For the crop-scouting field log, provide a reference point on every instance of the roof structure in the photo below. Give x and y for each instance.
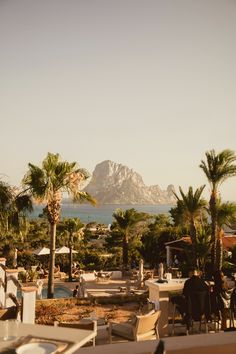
(229, 242)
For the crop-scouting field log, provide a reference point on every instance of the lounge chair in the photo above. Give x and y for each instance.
(141, 327)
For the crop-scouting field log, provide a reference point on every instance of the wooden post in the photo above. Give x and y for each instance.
(28, 304)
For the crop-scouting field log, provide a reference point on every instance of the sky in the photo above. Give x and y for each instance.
(149, 84)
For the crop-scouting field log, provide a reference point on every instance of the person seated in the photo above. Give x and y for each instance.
(221, 297)
(76, 291)
(40, 272)
(57, 269)
(194, 284)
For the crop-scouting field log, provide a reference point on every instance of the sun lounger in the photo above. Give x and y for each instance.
(89, 276)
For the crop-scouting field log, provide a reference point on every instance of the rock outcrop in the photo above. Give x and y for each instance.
(114, 183)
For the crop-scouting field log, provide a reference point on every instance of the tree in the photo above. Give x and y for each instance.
(125, 223)
(14, 205)
(226, 215)
(203, 246)
(217, 168)
(47, 184)
(160, 232)
(5, 203)
(73, 228)
(192, 207)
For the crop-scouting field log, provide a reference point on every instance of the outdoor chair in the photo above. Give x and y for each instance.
(194, 308)
(197, 310)
(83, 324)
(178, 302)
(223, 306)
(233, 308)
(139, 328)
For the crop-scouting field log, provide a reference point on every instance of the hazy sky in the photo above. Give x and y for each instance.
(150, 84)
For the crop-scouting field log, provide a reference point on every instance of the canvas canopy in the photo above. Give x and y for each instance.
(41, 251)
(64, 249)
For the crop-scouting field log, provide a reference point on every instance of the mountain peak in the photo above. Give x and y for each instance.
(114, 183)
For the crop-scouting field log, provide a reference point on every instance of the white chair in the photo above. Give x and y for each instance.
(140, 328)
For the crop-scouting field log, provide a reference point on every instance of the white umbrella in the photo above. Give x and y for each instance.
(64, 249)
(41, 251)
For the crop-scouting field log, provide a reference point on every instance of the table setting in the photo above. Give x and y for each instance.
(22, 338)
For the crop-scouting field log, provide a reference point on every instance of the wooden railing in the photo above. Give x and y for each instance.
(9, 285)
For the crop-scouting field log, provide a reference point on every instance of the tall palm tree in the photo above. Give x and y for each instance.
(72, 227)
(5, 204)
(217, 168)
(226, 215)
(125, 221)
(47, 184)
(192, 207)
(14, 205)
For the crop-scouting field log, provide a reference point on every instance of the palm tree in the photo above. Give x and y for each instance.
(14, 206)
(5, 203)
(125, 221)
(46, 184)
(217, 168)
(203, 248)
(226, 215)
(73, 227)
(192, 208)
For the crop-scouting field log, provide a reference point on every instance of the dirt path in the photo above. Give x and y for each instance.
(66, 310)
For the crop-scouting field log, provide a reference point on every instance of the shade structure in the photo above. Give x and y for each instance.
(64, 249)
(41, 251)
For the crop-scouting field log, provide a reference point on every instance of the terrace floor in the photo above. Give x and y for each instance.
(113, 287)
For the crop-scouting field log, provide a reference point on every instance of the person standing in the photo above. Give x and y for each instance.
(76, 291)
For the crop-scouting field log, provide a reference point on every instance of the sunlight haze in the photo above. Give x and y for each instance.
(146, 83)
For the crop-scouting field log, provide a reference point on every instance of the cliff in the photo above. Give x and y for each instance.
(114, 183)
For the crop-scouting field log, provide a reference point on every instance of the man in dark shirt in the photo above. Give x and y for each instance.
(196, 295)
(194, 283)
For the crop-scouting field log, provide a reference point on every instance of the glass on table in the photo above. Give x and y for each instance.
(3, 330)
(12, 329)
(179, 274)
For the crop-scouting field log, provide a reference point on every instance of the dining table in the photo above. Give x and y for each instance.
(60, 339)
(159, 294)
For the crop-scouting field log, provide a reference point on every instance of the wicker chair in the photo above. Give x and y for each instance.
(140, 328)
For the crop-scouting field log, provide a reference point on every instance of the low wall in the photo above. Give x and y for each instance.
(214, 343)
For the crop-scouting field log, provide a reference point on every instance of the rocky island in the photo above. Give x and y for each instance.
(114, 183)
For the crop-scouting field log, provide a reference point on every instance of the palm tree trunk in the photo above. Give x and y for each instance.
(70, 259)
(219, 251)
(125, 253)
(53, 227)
(213, 212)
(193, 235)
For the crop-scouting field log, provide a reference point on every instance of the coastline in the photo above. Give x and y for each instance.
(102, 213)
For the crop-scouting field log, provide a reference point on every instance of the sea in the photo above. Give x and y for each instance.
(101, 214)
